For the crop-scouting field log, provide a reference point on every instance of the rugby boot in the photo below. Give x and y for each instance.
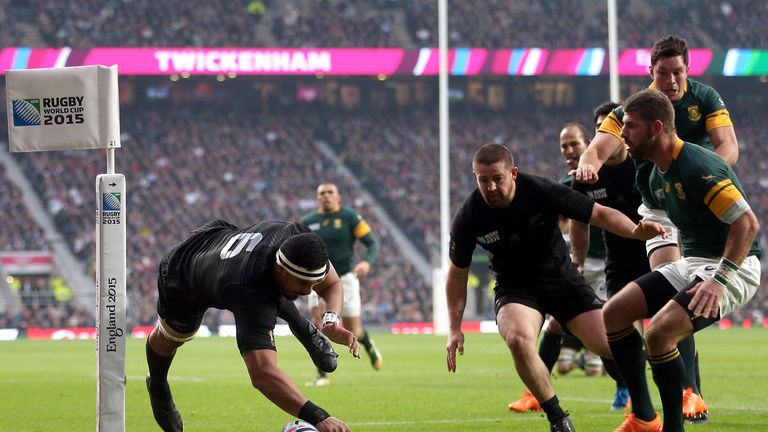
(376, 359)
(526, 403)
(563, 424)
(634, 424)
(621, 399)
(694, 409)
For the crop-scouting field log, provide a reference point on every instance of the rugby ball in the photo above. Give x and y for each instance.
(298, 426)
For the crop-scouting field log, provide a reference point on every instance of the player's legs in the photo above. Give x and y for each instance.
(177, 324)
(549, 351)
(551, 343)
(160, 350)
(519, 327)
(351, 318)
(667, 327)
(569, 350)
(626, 343)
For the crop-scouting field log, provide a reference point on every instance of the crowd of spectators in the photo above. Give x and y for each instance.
(334, 24)
(717, 24)
(19, 231)
(38, 303)
(253, 170)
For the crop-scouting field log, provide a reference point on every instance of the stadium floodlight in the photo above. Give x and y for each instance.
(77, 108)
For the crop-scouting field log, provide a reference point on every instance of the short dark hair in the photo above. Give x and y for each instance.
(603, 110)
(492, 153)
(584, 132)
(669, 46)
(652, 105)
(307, 250)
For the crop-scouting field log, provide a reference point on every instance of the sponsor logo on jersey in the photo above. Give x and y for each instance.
(597, 194)
(679, 191)
(491, 237)
(337, 223)
(694, 113)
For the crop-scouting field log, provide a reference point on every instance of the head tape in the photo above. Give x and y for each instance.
(311, 275)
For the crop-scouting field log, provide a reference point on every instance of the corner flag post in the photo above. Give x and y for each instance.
(78, 108)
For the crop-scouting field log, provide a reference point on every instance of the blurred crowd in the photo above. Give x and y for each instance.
(254, 170)
(193, 163)
(718, 24)
(186, 164)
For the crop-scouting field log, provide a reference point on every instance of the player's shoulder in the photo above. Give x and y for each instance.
(695, 159)
(538, 182)
(310, 217)
(703, 92)
(472, 205)
(349, 213)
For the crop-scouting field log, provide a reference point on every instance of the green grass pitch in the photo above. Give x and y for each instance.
(50, 386)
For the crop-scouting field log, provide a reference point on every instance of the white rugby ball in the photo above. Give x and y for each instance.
(298, 426)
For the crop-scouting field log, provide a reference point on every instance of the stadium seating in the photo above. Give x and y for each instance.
(377, 23)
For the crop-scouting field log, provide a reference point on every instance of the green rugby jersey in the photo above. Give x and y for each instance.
(702, 197)
(700, 110)
(339, 230)
(596, 247)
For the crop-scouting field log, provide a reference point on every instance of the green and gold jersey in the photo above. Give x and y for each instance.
(339, 230)
(596, 247)
(702, 197)
(700, 110)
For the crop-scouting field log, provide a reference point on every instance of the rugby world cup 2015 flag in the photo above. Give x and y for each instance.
(63, 108)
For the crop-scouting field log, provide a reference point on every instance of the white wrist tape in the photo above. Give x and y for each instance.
(726, 270)
(330, 318)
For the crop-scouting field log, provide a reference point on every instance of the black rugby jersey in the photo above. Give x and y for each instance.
(524, 239)
(616, 188)
(219, 260)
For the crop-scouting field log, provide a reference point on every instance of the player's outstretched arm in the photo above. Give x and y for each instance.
(273, 383)
(603, 147)
(331, 291)
(456, 294)
(619, 224)
(341, 336)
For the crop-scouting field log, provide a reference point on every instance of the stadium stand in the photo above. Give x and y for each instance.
(376, 23)
(258, 176)
(250, 162)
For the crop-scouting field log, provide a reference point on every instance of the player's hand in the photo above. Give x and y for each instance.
(706, 298)
(455, 343)
(647, 230)
(342, 336)
(332, 424)
(584, 174)
(362, 269)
